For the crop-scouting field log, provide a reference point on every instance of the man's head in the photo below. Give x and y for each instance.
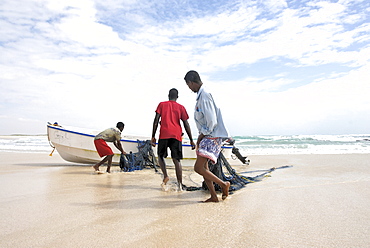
(173, 94)
(193, 80)
(120, 126)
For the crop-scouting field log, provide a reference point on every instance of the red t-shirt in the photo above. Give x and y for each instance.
(171, 113)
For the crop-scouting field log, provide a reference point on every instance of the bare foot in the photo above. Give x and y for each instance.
(225, 190)
(96, 167)
(165, 180)
(212, 200)
(180, 187)
(164, 187)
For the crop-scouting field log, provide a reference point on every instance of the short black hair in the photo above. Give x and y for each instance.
(120, 124)
(192, 76)
(173, 94)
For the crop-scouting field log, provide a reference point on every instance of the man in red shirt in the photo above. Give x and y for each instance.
(170, 134)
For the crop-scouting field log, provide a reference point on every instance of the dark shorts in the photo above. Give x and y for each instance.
(174, 145)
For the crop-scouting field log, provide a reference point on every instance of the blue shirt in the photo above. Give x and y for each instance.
(208, 116)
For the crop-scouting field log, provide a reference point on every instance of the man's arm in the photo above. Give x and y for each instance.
(155, 126)
(200, 137)
(188, 131)
(210, 116)
(118, 144)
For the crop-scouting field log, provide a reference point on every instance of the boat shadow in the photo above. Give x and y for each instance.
(54, 165)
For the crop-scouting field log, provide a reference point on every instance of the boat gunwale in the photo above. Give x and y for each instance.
(125, 140)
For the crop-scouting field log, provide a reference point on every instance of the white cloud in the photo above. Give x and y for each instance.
(297, 110)
(61, 63)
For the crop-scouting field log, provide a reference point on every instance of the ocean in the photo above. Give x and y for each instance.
(248, 145)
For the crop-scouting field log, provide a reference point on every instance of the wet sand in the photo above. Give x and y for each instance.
(322, 201)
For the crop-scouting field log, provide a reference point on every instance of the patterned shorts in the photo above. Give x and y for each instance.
(210, 148)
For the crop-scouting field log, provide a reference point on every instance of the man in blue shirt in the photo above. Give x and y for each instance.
(212, 132)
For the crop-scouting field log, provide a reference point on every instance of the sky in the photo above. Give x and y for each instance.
(274, 67)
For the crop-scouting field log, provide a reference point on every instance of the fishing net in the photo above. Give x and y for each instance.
(139, 160)
(223, 170)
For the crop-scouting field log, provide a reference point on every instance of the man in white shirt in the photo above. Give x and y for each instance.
(212, 132)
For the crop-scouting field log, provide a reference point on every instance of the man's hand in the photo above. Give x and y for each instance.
(153, 141)
(192, 145)
(200, 137)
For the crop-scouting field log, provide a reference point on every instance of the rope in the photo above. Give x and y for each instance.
(51, 154)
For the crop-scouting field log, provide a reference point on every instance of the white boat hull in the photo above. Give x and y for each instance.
(78, 146)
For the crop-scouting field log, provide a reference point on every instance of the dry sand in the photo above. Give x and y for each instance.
(322, 201)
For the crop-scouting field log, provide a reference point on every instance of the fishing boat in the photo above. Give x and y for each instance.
(77, 145)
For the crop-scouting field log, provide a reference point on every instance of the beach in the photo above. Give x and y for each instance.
(319, 201)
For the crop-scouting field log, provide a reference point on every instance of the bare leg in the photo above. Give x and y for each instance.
(110, 157)
(96, 166)
(178, 168)
(162, 164)
(201, 167)
(212, 190)
(211, 187)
